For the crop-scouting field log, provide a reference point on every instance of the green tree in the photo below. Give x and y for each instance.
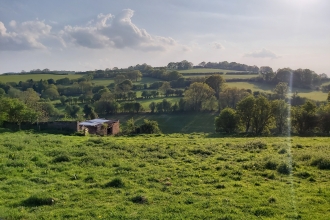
(197, 94)
(245, 111)
(152, 107)
(216, 82)
(262, 114)
(281, 90)
(166, 86)
(149, 127)
(227, 121)
(304, 118)
(72, 110)
(324, 118)
(280, 111)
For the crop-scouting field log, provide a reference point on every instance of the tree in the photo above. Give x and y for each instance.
(245, 111)
(152, 107)
(119, 78)
(280, 111)
(138, 107)
(262, 114)
(72, 110)
(304, 118)
(149, 127)
(2, 92)
(230, 96)
(29, 97)
(216, 82)
(227, 121)
(89, 112)
(130, 127)
(324, 118)
(281, 90)
(197, 94)
(51, 93)
(165, 87)
(328, 99)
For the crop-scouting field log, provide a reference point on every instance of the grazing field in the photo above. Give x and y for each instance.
(307, 93)
(224, 76)
(35, 77)
(106, 82)
(176, 176)
(206, 70)
(174, 122)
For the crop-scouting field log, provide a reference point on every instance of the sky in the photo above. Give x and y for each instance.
(81, 35)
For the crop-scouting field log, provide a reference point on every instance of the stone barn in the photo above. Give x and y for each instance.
(100, 126)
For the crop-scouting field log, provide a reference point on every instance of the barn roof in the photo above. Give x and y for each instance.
(94, 122)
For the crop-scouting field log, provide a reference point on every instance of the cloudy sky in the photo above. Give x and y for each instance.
(98, 34)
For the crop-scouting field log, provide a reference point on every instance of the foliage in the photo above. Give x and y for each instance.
(196, 95)
(227, 121)
(149, 127)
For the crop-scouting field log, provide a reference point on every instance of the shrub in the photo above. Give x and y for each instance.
(61, 158)
(267, 212)
(322, 162)
(116, 183)
(38, 201)
(271, 199)
(271, 165)
(139, 199)
(282, 151)
(303, 175)
(284, 168)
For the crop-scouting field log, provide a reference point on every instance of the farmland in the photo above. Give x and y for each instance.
(177, 176)
(35, 77)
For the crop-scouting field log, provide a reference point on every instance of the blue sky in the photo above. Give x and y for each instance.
(98, 34)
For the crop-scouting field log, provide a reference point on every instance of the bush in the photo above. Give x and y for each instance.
(139, 199)
(38, 201)
(284, 168)
(323, 163)
(61, 158)
(116, 183)
(271, 165)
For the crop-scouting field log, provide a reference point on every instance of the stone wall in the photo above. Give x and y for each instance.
(69, 126)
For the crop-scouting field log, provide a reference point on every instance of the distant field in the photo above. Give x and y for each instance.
(35, 77)
(146, 102)
(106, 82)
(175, 123)
(205, 71)
(310, 94)
(224, 76)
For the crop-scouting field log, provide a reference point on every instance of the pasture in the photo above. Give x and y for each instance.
(206, 70)
(177, 176)
(35, 77)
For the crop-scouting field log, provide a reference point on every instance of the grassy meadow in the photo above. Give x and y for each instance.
(177, 176)
(35, 77)
(205, 70)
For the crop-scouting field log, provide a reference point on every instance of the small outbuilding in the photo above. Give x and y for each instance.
(100, 126)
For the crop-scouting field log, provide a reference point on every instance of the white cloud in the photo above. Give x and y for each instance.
(263, 53)
(24, 36)
(116, 31)
(218, 46)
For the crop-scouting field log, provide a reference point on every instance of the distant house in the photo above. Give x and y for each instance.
(100, 126)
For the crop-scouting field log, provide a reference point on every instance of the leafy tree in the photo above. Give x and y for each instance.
(281, 90)
(138, 107)
(149, 127)
(2, 92)
(230, 96)
(216, 82)
(227, 121)
(304, 118)
(262, 114)
(124, 86)
(165, 87)
(29, 97)
(72, 110)
(51, 93)
(324, 118)
(245, 111)
(280, 111)
(89, 112)
(130, 127)
(152, 107)
(167, 105)
(197, 94)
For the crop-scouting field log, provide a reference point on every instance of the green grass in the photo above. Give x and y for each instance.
(307, 93)
(146, 102)
(224, 76)
(35, 77)
(206, 70)
(193, 176)
(106, 82)
(175, 123)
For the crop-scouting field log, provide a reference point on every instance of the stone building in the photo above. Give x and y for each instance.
(100, 126)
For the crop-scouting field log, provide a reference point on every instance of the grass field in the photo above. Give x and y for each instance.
(224, 76)
(310, 94)
(175, 123)
(35, 77)
(176, 176)
(106, 82)
(206, 70)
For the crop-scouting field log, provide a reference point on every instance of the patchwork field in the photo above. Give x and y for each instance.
(35, 77)
(176, 176)
(206, 70)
